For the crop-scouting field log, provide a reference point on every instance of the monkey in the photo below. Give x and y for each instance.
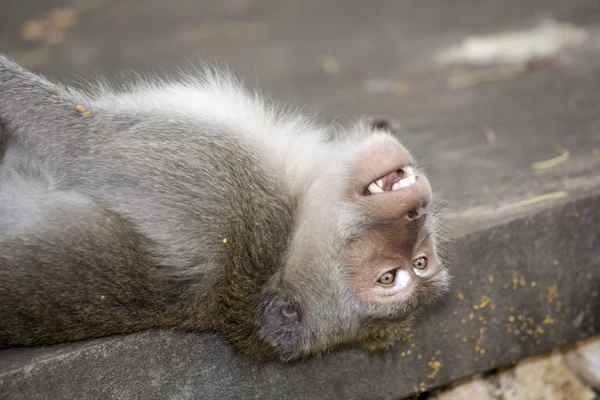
(196, 204)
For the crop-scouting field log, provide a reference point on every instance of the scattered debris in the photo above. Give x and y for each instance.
(225, 240)
(534, 200)
(52, 29)
(551, 293)
(391, 86)
(490, 135)
(544, 41)
(562, 158)
(485, 75)
(435, 366)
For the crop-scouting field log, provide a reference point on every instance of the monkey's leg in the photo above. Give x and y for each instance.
(70, 269)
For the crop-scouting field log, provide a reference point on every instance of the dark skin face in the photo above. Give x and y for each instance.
(396, 251)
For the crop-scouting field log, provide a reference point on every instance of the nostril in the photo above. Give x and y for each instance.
(412, 214)
(417, 212)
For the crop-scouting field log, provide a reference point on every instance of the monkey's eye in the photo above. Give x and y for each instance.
(420, 263)
(387, 278)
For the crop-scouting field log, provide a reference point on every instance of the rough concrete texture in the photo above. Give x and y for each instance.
(526, 278)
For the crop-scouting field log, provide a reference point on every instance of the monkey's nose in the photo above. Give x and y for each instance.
(417, 212)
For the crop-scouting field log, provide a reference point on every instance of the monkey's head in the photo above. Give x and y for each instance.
(362, 258)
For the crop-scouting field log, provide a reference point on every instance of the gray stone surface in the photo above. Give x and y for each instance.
(281, 46)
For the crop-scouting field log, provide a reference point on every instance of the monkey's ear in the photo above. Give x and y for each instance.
(384, 124)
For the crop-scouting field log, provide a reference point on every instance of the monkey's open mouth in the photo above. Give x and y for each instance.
(398, 179)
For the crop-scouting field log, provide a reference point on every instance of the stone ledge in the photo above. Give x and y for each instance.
(540, 269)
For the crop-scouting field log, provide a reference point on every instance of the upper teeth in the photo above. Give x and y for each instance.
(409, 179)
(375, 187)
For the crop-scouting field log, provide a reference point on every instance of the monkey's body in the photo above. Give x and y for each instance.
(171, 206)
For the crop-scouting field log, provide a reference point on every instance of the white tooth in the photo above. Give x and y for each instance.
(380, 183)
(406, 182)
(396, 186)
(408, 171)
(373, 188)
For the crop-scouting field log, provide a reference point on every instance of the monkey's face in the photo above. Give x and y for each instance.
(364, 257)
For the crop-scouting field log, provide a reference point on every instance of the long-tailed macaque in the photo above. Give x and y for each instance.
(195, 204)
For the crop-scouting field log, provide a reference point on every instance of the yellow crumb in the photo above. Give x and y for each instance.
(403, 354)
(562, 158)
(82, 110)
(522, 281)
(464, 340)
(577, 215)
(460, 296)
(435, 366)
(420, 356)
(548, 320)
(408, 352)
(511, 318)
(596, 152)
(476, 307)
(412, 345)
(464, 321)
(102, 297)
(534, 200)
(551, 293)
(484, 301)
(491, 278)
(482, 351)
(137, 347)
(511, 309)
(533, 284)
(492, 307)
(225, 240)
(471, 316)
